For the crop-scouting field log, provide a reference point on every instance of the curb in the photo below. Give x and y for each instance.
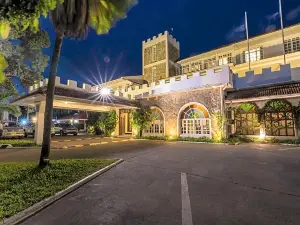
(32, 210)
(80, 145)
(189, 142)
(2, 146)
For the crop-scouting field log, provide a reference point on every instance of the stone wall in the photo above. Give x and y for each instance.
(173, 52)
(160, 72)
(160, 53)
(172, 70)
(171, 104)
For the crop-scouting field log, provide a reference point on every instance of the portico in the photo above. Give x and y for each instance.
(74, 98)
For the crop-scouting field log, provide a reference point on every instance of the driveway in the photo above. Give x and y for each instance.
(175, 183)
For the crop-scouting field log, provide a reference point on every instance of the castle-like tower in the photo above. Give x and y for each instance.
(159, 57)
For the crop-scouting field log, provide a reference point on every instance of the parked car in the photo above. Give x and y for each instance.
(65, 129)
(30, 130)
(12, 130)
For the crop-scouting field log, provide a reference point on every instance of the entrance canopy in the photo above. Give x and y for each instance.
(76, 99)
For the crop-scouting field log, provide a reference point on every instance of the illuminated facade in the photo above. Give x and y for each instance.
(189, 96)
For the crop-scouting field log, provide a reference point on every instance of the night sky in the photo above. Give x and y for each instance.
(198, 26)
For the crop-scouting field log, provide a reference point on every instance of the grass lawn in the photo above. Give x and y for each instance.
(24, 184)
(18, 143)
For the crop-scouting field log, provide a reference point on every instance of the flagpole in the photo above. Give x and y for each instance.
(282, 31)
(247, 34)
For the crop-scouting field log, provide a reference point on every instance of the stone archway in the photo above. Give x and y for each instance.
(194, 121)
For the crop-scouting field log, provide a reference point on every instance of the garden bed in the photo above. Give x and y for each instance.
(23, 184)
(18, 143)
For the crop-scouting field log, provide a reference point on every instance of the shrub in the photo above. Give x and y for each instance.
(18, 143)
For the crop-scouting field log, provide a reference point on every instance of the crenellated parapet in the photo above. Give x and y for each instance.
(210, 77)
(266, 76)
(70, 84)
(161, 37)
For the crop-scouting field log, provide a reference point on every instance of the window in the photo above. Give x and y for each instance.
(153, 74)
(278, 118)
(255, 55)
(186, 68)
(246, 119)
(225, 59)
(195, 122)
(154, 53)
(157, 124)
(292, 45)
(209, 63)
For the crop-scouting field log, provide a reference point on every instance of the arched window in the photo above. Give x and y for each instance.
(278, 118)
(194, 121)
(156, 128)
(246, 119)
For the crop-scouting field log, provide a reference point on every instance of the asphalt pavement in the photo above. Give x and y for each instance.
(184, 184)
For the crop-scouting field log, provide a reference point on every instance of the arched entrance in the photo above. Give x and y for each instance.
(157, 126)
(194, 121)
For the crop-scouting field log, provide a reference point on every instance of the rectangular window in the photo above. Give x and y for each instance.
(225, 59)
(186, 69)
(154, 53)
(292, 45)
(153, 74)
(255, 55)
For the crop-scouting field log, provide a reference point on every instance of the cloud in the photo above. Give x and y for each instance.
(272, 17)
(293, 14)
(270, 28)
(236, 33)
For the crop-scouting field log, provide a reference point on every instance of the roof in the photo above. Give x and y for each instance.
(80, 94)
(262, 91)
(233, 43)
(77, 116)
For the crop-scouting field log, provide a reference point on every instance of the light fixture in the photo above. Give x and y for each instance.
(75, 121)
(105, 91)
(24, 122)
(262, 134)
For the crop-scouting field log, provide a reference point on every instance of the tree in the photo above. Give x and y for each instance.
(141, 119)
(103, 121)
(24, 56)
(72, 19)
(5, 106)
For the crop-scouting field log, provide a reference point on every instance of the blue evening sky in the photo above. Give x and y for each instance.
(198, 26)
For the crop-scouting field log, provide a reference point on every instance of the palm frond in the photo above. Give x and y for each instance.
(104, 14)
(11, 109)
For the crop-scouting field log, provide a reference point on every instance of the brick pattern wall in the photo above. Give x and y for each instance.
(173, 53)
(171, 103)
(160, 53)
(160, 72)
(172, 70)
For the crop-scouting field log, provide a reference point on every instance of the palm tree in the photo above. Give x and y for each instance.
(5, 106)
(73, 19)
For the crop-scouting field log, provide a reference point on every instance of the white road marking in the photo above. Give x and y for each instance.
(186, 204)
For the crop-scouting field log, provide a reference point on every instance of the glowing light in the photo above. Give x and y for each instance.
(105, 91)
(34, 119)
(24, 122)
(262, 134)
(76, 121)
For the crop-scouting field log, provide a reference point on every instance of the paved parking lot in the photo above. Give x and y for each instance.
(175, 183)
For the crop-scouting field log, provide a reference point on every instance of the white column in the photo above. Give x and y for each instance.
(117, 129)
(39, 125)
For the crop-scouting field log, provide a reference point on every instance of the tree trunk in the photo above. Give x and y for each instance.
(141, 132)
(44, 158)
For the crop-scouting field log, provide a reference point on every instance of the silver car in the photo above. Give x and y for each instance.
(65, 129)
(30, 130)
(13, 131)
